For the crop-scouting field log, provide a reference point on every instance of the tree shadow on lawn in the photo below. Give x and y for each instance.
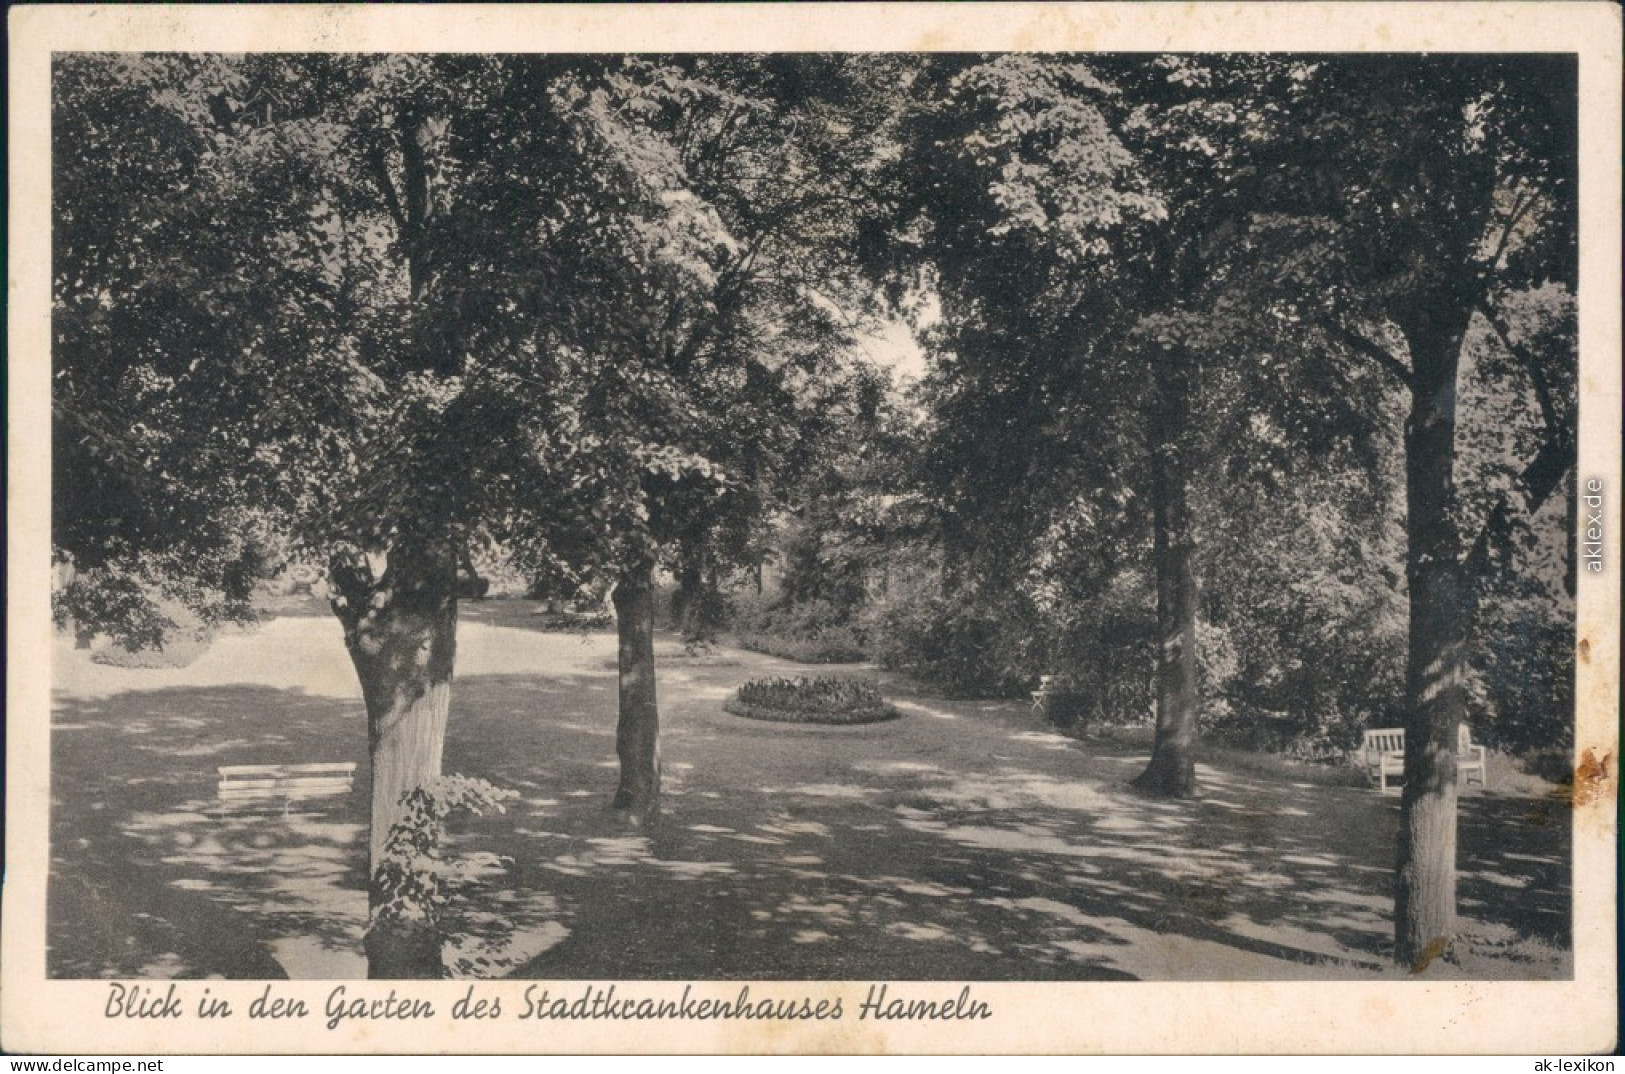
(953, 877)
(1515, 867)
(152, 875)
(957, 843)
(970, 846)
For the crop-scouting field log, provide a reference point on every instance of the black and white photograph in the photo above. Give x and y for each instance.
(788, 533)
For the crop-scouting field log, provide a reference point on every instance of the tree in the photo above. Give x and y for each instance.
(1453, 185)
(135, 458)
(1280, 237)
(1122, 193)
(721, 242)
(299, 295)
(373, 311)
(1014, 186)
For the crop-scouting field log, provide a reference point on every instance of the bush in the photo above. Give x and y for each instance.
(181, 638)
(811, 632)
(804, 700)
(413, 884)
(1067, 707)
(968, 647)
(833, 647)
(1554, 765)
(1521, 691)
(566, 621)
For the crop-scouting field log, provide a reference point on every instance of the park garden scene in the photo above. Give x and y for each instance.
(960, 517)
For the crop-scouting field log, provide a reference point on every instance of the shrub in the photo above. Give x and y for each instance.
(811, 632)
(180, 638)
(804, 700)
(1521, 691)
(414, 884)
(567, 621)
(832, 647)
(967, 646)
(1067, 707)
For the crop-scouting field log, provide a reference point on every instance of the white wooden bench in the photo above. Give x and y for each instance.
(240, 782)
(1383, 754)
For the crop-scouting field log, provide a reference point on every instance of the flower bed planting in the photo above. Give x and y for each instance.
(818, 700)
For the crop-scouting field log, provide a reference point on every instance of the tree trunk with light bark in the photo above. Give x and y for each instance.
(401, 633)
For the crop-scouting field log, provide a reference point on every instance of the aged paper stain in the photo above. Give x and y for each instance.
(1592, 777)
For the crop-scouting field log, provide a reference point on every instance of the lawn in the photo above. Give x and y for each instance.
(963, 841)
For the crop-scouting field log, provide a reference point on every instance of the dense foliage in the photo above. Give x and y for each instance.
(1248, 407)
(1035, 559)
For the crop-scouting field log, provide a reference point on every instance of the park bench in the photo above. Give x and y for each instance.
(256, 782)
(1383, 754)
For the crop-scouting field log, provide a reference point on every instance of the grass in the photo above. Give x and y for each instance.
(177, 651)
(968, 842)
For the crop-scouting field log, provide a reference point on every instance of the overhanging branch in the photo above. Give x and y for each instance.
(386, 185)
(1520, 207)
(1361, 345)
(1535, 485)
(1544, 474)
(1530, 361)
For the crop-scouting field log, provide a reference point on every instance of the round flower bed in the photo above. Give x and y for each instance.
(804, 700)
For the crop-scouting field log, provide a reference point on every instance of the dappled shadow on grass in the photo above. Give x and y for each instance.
(1011, 875)
(962, 841)
(151, 875)
(1004, 876)
(1515, 866)
(977, 847)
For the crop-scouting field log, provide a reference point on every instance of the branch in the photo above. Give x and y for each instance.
(851, 322)
(352, 581)
(1544, 472)
(1531, 363)
(1518, 210)
(380, 171)
(726, 297)
(668, 333)
(1484, 279)
(1362, 345)
(1536, 484)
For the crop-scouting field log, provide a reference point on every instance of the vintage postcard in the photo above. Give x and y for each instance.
(914, 528)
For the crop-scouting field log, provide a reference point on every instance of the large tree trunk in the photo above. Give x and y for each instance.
(637, 731)
(401, 633)
(1440, 619)
(1172, 771)
(401, 628)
